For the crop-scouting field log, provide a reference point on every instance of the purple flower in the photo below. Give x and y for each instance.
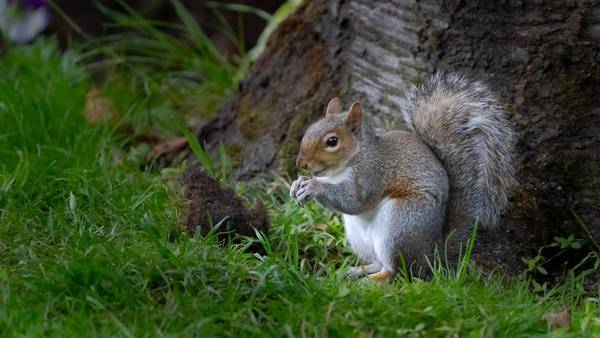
(33, 3)
(21, 21)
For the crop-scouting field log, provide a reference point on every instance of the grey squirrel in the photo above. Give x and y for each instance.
(401, 191)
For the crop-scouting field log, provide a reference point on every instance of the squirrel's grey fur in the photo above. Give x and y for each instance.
(398, 189)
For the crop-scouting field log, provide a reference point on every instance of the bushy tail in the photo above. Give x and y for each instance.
(468, 130)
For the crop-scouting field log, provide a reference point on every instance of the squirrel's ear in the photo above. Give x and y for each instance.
(354, 116)
(334, 106)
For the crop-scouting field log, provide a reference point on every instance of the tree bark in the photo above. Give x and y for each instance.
(543, 57)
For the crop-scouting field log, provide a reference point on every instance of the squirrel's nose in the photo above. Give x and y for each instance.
(300, 162)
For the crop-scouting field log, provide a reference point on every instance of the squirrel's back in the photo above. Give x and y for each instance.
(468, 130)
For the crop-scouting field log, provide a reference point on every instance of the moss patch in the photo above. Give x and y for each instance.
(253, 123)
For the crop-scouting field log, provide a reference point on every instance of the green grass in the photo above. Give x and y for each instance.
(90, 246)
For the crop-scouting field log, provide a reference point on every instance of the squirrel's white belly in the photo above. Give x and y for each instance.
(364, 230)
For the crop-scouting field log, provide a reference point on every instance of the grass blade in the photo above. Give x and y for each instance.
(201, 154)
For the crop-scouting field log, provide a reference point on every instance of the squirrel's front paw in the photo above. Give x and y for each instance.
(296, 186)
(309, 188)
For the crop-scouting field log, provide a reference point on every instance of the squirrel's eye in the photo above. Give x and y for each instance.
(332, 142)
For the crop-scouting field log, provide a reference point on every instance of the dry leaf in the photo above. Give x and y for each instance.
(168, 147)
(558, 319)
(321, 226)
(99, 108)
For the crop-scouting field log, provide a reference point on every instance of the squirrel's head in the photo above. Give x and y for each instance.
(329, 142)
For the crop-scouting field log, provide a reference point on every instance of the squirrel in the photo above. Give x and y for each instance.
(401, 191)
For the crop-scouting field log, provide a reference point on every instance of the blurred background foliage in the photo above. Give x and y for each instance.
(183, 58)
(159, 59)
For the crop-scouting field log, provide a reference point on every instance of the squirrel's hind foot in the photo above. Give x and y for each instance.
(355, 272)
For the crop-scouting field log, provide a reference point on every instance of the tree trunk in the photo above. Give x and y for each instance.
(543, 57)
